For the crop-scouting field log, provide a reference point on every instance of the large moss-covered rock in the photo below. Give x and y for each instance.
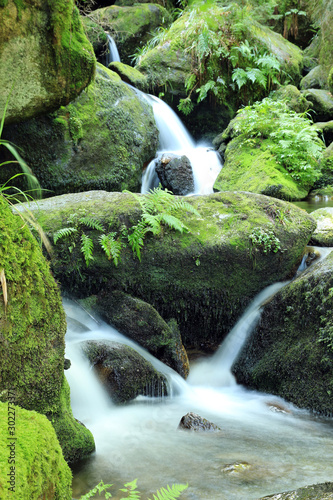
(123, 371)
(130, 26)
(323, 235)
(102, 140)
(290, 352)
(255, 169)
(321, 103)
(32, 327)
(45, 58)
(140, 322)
(31, 461)
(205, 278)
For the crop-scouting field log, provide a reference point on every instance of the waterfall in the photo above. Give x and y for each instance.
(175, 138)
(113, 54)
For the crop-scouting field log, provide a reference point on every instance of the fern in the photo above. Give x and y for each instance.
(87, 248)
(64, 232)
(91, 223)
(170, 493)
(174, 223)
(130, 488)
(111, 247)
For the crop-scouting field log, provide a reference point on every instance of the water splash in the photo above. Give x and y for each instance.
(113, 54)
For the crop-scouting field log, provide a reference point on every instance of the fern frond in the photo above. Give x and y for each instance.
(64, 232)
(173, 222)
(170, 493)
(184, 205)
(87, 248)
(135, 239)
(152, 222)
(130, 488)
(111, 247)
(91, 223)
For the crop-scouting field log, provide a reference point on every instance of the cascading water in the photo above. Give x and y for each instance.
(112, 55)
(174, 138)
(278, 450)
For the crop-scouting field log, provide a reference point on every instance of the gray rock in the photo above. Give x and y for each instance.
(175, 173)
(194, 422)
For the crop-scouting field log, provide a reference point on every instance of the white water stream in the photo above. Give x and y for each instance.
(174, 138)
(112, 55)
(283, 450)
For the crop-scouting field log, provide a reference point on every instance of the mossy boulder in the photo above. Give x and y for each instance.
(140, 322)
(315, 79)
(321, 103)
(32, 325)
(31, 461)
(131, 26)
(102, 140)
(252, 167)
(293, 98)
(290, 352)
(323, 235)
(128, 74)
(322, 491)
(45, 58)
(204, 278)
(123, 371)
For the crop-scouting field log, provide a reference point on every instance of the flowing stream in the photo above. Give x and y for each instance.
(265, 444)
(112, 55)
(175, 138)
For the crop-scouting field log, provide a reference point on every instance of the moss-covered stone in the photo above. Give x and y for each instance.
(293, 97)
(45, 60)
(323, 235)
(204, 279)
(31, 461)
(129, 75)
(131, 26)
(290, 352)
(102, 140)
(123, 371)
(315, 79)
(253, 168)
(140, 322)
(32, 323)
(321, 103)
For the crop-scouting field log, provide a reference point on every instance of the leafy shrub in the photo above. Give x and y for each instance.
(292, 139)
(265, 240)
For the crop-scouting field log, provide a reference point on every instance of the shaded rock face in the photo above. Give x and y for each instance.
(141, 322)
(175, 173)
(124, 373)
(290, 352)
(100, 141)
(45, 57)
(194, 422)
(321, 103)
(204, 278)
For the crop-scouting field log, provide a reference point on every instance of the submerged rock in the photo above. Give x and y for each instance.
(290, 351)
(323, 491)
(194, 422)
(140, 322)
(323, 235)
(124, 373)
(175, 173)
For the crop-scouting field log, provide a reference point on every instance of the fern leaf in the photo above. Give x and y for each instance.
(170, 493)
(173, 222)
(87, 248)
(152, 222)
(136, 238)
(184, 205)
(91, 223)
(64, 232)
(111, 247)
(239, 76)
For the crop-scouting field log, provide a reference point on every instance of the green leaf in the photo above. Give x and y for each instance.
(64, 232)
(111, 246)
(87, 248)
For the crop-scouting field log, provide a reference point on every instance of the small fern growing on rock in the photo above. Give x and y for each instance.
(168, 493)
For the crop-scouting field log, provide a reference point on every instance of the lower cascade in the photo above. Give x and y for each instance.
(263, 444)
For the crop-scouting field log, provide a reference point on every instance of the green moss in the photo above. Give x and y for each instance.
(129, 74)
(175, 274)
(3, 3)
(253, 168)
(39, 468)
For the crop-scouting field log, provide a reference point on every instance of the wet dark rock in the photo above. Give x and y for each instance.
(124, 373)
(323, 491)
(194, 422)
(140, 322)
(175, 173)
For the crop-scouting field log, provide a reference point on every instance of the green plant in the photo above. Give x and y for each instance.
(292, 140)
(75, 234)
(168, 493)
(265, 240)
(157, 36)
(159, 208)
